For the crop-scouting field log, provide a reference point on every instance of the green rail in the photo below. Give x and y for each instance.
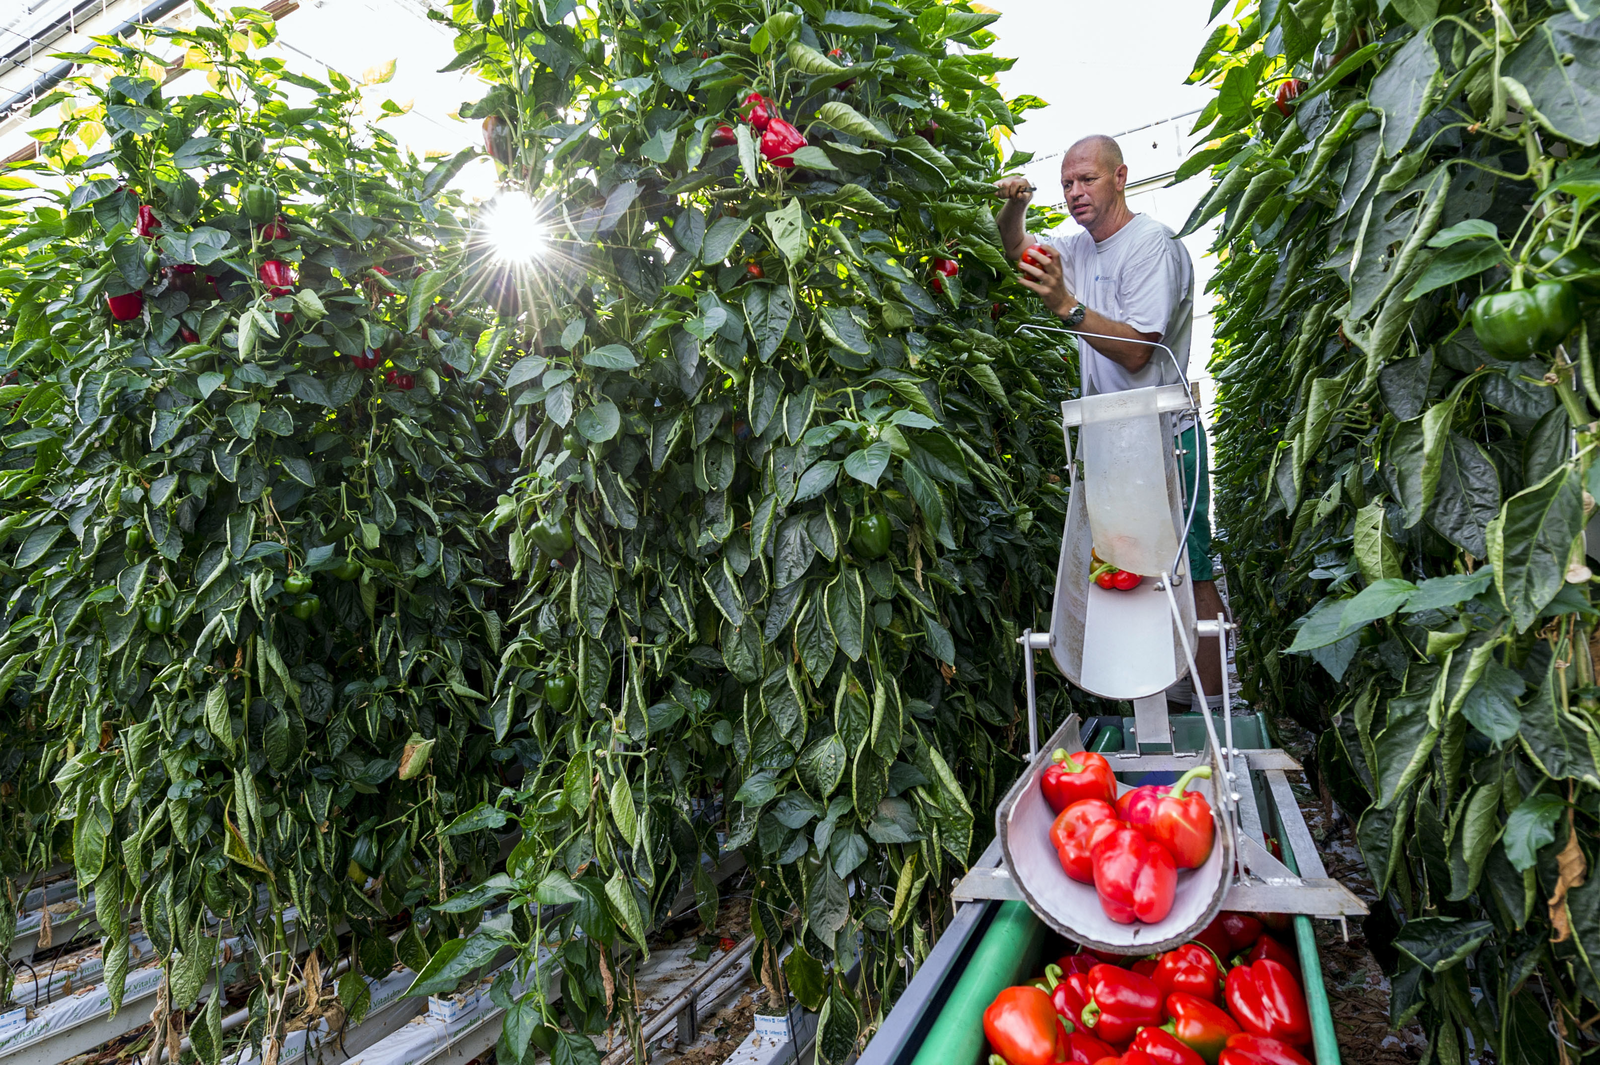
(1008, 954)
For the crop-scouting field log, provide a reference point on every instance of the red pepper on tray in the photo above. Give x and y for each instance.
(1120, 1003)
(1199, 1025)
(1076, 776)
(1021, 1026)
(1265, 998)
(1190, 968)
(1134, 877)
(1246, 1049)
(1179, 821)
(1076, 831)
(1165, 1048)
(1267, 947)
(1229, 933)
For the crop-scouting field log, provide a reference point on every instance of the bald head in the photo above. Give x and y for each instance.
(1093, 177)
(1100, 147)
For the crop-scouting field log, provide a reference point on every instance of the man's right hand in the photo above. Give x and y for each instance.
(1017, 190)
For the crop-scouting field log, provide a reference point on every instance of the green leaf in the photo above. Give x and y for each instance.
(421, 297)
(454, 959)
(1562, 94)
(1457, 262)
(1438, 943)
(808, 982)
(846, 119)
(847, 612)
(1531, 826)
(1376, 553)
(821, 766)
(721, 238)
(1491, 705)
(788, 227)
(610, 357)
(600, 422)
(867, 464)
(1530, 541)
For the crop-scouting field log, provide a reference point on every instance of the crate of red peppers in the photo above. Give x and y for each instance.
(1232, 996)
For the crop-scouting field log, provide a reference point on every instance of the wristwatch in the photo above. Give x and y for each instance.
(1074, 318)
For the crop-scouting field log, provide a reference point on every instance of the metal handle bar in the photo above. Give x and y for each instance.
(1194, 408)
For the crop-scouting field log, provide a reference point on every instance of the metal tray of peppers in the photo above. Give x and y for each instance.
(1002, 988)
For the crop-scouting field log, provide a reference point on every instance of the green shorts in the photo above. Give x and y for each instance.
(1195, 455)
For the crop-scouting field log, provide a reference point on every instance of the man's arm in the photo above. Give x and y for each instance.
(1048, 282)
(1013, 217)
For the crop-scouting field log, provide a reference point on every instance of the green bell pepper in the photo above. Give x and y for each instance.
(871, 535)
(133, 539)
(553, 538)
(295, 583)
(1522, 322)
(259, 203)
(158, 619)
(559, 690)
(1577, 266)
(306, 607)
(347, 570)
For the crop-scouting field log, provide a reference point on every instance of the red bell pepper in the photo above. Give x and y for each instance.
(1072, 777)
(1021, 1026)
(1084, 1049)
(277, 275)
(1131, 1057)
(1199, 1024)
(1080, 962)
(779, 142)
(1144, 967)
(274, 230)
(1133, 876)
(723, 137)
(1179, 821)
(1125, 581)
(1267, 947)
(1229, 933)
(1069, 992)
(1246, 1049)
(1191, 968)
(758, 114)
(126, 307)
(1265, 998)
(148, 222)
(1076, 831)
(1165, 1048)
(1120, 1003)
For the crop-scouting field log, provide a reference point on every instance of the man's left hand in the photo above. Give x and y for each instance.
(1046, 280)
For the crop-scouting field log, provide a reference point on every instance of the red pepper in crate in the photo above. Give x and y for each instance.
(1265, 998)
(1246, 1049)
(1190, 968)
(1267, 947)
(1130, 1057)
(1164, 1048)
(1199, 1024)
(1084, 1049)
(1076, 831)
(1080, 962)
(1081, 775)
(1134, 877)
(1021, 1025)
(1120, 1003)
(1180, 821)
(1230, 933)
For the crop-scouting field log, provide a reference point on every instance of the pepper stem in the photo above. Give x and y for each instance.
(1203, 772)
(1091, 1014)
(1066, 761)
(1516, 276)
(1066, 1024)
(1052, 975)
(996, 1059)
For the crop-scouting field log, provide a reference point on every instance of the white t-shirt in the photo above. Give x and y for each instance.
(1140, 275)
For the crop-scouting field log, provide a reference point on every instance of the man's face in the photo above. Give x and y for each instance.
(1090, 186)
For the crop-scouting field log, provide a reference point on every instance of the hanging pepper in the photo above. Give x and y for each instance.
(1072, 777)
(723, 137)
(274, 230)
(780, 142)
(1246, 1049)
(1199, 1024)
(259, 203)
(1179, 821)
(1229, 933)
(871, 535)
(1120, 1003)
(757, 114)
(552, 537)
(1164, 1048)
(1267, 947)
(1578, 266)
(1133, 876)
(1022, 1027)
(1265, 998)
(559, 690)
(277, 275)
(1525, 321)
(148, 222)
(126, 307)
(158, 619)
(498, 139)
(1190, 968)
(1075, 832)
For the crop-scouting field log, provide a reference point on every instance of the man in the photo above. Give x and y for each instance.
(1125, 275)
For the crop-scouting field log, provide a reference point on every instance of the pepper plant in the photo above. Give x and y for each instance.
(1406, 436)
(253, 620)
(787, 498)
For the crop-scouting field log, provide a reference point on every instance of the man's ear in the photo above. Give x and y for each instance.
(1122, 177)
